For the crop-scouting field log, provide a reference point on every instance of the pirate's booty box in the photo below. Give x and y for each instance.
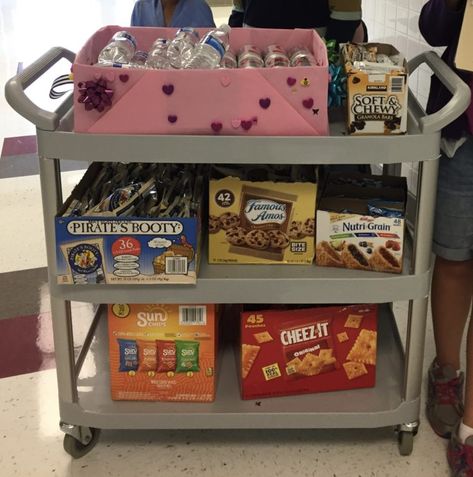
(135, 232)
(360, 223)
(261, 222)
(307, 350)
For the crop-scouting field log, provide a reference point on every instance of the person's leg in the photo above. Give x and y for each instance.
(451, 299)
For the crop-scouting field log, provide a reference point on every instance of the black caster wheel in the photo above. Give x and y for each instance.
(405, 442)
(76, 449)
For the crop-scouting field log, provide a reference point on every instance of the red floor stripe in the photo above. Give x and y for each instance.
(27, 344)
(16, 146)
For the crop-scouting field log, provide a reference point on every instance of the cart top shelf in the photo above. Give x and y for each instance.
(337, 148)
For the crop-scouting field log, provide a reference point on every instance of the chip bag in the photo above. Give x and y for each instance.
(187, 356)
(166, 356)
(128, 355)
(147, 354)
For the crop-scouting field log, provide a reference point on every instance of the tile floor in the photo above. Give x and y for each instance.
(30, 440)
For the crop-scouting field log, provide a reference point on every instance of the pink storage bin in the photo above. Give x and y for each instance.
(257, 102)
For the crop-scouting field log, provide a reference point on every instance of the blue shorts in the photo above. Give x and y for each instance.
(453, 232)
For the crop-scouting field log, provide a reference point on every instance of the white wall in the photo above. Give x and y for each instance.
(396, 22)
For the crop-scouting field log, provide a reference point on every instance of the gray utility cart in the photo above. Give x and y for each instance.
(85, 402)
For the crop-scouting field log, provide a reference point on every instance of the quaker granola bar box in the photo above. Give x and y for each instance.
(261, 222)
(307, 350)
(360, 223)
(377, 86)
(162, 352)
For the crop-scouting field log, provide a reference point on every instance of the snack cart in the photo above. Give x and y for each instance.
(85, 402)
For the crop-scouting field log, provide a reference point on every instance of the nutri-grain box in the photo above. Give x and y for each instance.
(361, 222)
(162, 352)
(376, 99)
(261, 222)
(307, 350)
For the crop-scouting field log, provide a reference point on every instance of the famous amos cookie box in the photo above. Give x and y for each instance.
(163, 352)
(261, 222)
(307, 350)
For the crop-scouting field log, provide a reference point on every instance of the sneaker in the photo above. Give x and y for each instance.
(460, 456)
(445, 399)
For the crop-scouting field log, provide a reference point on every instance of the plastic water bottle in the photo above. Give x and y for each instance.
(139, 59)
(157, 57)
(120, 49)
(209, 52)
(181, 47)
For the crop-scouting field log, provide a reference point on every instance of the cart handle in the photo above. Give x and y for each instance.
(460, 90)
(15, 89)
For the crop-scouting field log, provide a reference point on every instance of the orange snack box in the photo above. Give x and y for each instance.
(162, 352)
(309, 350)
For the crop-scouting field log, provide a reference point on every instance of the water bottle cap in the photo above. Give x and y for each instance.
(124, 35)
(189, 30)
(226, 28)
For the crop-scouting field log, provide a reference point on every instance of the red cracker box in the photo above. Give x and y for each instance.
(308, 350)
(162, 352)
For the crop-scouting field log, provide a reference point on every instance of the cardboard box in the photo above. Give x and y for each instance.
(307, 350)
(125, 250)
(261, 222)
(255, 102)
(162, 352)
(377, 102)
(350, 231)
(464, 58)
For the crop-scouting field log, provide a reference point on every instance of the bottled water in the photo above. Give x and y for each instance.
(120, 49)
(209, 52)
(139, 59)
(181, 47)
(157, 57)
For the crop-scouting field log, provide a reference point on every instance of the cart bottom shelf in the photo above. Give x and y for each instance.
(362, 408)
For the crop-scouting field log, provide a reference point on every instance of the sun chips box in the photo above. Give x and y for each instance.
(162, 352)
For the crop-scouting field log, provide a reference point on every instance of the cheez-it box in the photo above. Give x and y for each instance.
(308, 350)
(162, 352)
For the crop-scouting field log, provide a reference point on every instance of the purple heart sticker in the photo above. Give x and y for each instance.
(168, 89)
(291, 81)
(216, 126)
(265, 103)
(124, 78)
(308, 103)
(246, 125)
(172, 118)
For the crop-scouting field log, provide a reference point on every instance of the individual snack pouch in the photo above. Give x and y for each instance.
(147, 355)
(187, 356)
(128, 355)
(166, 356)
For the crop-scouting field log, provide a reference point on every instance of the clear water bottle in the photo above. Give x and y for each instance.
(139, 59)
(157, 57)
(120, 49)
(181, 47)
(209, 52)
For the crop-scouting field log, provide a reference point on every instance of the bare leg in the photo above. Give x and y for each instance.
(451, 299)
